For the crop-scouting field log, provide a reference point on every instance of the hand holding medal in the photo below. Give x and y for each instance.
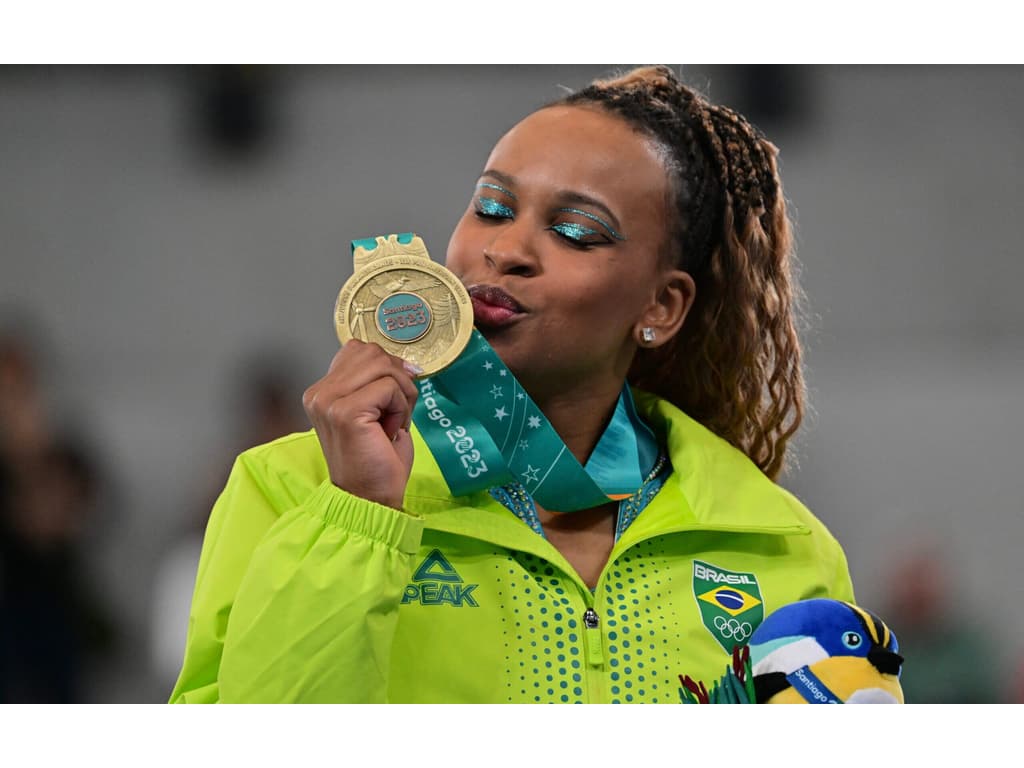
(399, 316)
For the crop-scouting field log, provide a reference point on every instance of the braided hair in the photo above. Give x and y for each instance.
(735, 366)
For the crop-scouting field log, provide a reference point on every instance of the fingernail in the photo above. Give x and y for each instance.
(412, 368)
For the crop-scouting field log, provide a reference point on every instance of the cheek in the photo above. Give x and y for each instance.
(617, 289)
(460, 245)
(605, 299)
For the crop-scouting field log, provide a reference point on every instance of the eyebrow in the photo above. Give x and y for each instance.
(488, 185)
(499, 176)
(578, 197)
(598, 219)
(567, 196)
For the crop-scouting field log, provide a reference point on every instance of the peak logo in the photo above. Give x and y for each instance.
(436, 582)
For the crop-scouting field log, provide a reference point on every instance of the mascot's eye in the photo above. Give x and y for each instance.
(852, 640)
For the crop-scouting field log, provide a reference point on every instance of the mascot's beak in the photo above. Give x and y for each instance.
(886, 662)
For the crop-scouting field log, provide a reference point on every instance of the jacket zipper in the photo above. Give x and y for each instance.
(593, 654)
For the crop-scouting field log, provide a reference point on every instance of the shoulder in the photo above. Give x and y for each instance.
(722, 486)
(721, 489)
(287, 469)
(295, 449)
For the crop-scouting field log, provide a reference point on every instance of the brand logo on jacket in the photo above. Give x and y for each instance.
(730, 602)
(436, 582)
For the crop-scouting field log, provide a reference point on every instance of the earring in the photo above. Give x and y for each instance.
(647, 334)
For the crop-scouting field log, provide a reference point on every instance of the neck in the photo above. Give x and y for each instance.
(580, 415)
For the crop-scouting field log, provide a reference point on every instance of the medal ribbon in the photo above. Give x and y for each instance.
(484, 430)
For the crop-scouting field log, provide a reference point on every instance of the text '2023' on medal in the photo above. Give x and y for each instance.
(398, 298)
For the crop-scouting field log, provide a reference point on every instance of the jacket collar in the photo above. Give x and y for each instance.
(713, 487)
(719, 486)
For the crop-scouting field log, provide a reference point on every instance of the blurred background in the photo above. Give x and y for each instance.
(174, 238)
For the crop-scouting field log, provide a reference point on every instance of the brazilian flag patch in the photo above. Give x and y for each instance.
(730, 603)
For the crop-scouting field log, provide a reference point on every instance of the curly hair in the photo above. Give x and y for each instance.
(735, 366)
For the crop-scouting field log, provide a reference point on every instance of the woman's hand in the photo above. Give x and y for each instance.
(361, 411)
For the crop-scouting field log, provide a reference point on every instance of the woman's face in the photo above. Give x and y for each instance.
(560, 246)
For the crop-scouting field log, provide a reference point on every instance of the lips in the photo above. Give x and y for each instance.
(493, 307)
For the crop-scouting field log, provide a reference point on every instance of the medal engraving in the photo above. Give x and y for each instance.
(399, 299)
(404, 317)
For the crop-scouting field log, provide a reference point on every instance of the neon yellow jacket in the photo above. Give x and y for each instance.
(307, 593)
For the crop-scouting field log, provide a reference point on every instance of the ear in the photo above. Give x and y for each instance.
(664, 316)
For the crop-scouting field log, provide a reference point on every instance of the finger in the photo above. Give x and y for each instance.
(357, 347)
(394, 409)
(354, 368)
(358, 368)
(363, 396)
(404, 373)
(351, 349)
(382, 403)
(354, 349)
(404, 446)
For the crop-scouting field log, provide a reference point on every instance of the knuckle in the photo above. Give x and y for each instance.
(337, 412)
(309, 398)
(409, 388)
(377, 351)
(339, 357)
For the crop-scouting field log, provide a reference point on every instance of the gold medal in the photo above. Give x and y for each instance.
(411, 306)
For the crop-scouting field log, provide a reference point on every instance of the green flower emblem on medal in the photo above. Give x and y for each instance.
(399, 299)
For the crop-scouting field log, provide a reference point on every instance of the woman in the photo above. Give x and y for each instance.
(631, 234)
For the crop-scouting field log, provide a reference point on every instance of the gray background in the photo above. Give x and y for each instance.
(154, 267)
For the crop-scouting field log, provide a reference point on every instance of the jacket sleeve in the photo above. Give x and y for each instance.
(296, 595)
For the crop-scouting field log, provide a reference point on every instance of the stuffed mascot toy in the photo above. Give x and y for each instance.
(816, 651)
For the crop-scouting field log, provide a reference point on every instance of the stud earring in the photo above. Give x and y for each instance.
(647, 334)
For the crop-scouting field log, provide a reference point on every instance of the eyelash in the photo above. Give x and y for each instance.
(570, 231)
(574, 233)
(489, 208)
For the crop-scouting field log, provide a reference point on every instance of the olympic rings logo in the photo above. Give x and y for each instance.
(730, 628)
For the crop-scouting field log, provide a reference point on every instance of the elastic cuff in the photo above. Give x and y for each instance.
(382, 523)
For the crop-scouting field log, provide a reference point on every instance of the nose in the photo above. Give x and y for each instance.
(510, 252)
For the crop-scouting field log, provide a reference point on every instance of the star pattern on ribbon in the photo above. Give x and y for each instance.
(556, 476)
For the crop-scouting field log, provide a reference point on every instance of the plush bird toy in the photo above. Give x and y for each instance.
(814, 651)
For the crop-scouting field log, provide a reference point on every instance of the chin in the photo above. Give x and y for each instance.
(507, 352)
(499, 337)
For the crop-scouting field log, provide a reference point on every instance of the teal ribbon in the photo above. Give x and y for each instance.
(484, 430)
